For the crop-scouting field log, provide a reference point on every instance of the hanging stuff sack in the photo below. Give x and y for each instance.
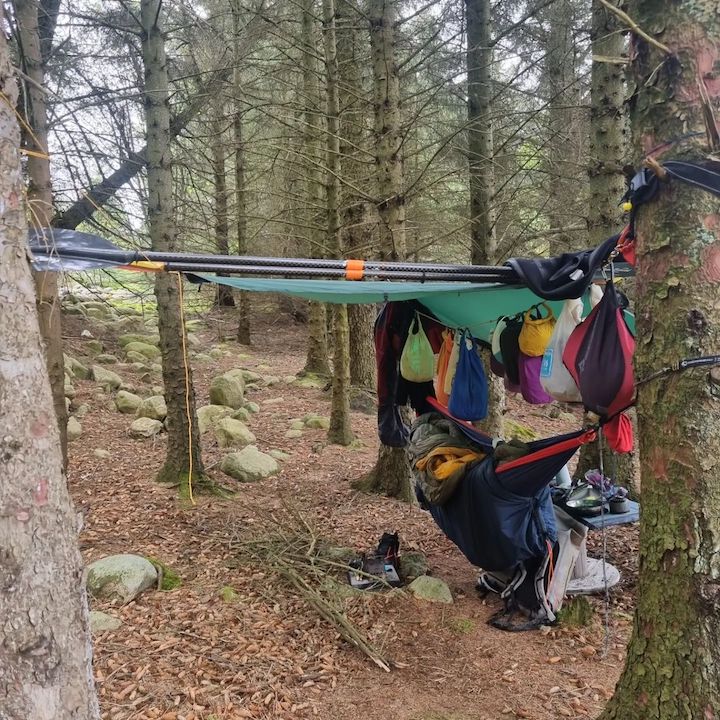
(417, 362)
(598, 355)
(510, 348)
(536, 331)
(442, 366)
(469, 396)
(452, 364)
(555, 379)
(496, 360)
(530, 386)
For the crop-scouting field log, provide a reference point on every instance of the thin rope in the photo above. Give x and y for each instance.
(186, 366)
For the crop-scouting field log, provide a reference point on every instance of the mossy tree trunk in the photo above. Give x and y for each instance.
(340, 431)
(479, 59)
(224, 297)
(317, 348)
(183, 458)
(608, 151)
(672, 670)
(243, 304)
(391, 473)
(45, 652)
(40, 199)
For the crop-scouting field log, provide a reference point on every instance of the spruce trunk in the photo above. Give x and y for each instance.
(40, 202)
(672, 669)
(183, 461)
(224, 296)
(45, 652)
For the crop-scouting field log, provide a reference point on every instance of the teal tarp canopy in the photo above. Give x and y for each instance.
(475, 306)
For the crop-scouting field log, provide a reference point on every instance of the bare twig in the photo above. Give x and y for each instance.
(635, 27)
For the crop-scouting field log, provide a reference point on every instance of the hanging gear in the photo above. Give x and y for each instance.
(469, 396)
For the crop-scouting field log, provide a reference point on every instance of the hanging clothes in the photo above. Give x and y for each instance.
(393, 391)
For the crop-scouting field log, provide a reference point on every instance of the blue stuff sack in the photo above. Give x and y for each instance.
(469, 394)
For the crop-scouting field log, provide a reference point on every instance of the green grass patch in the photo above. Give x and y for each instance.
(170, 578)
(461, 626)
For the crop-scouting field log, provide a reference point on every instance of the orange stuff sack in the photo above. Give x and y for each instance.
(442, 367)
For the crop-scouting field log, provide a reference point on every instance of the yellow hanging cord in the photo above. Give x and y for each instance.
(181, 296)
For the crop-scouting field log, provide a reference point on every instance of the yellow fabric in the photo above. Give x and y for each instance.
(442, 462)
(442, 367)
(536, 333)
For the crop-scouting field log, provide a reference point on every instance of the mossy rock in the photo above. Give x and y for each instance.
(311, 381)
(576, 612)
(170, 578)
(512, 428)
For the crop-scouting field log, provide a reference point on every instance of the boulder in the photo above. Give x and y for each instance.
(120, 578)
(208, 415)
(274, 401)
(82, 410)
(138, 367)
(293, 434)
(128, 338)
(69, 389)
(241, 414)
(316, 422)
(252, 407)
(202, 358)
(151, 352)
(297, 424)
(74, 429)
(153, 407)
(270, 380)
(312, 381)
(232, 433)
(101, 454)
(127, 402)
(106, 359)
(227, 390)
(102, 622)
(75, 368)
(279, 455)
(215, 353)
(107, 379)
(249, 376)
(249, 465)
(136, 357)
(430, 589)
(145, 427)
(193, 340)
(97, 314)
(94, 346)
(413, 565)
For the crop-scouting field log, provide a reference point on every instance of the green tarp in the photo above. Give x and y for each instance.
(474, 306)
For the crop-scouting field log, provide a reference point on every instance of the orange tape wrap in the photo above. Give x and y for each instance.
(354, 269)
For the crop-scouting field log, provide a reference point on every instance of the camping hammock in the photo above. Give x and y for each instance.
(502, 516)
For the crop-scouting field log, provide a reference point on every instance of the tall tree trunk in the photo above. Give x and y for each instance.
(340, 431)
(561, 159)
(243, 305)
(608, 150)
(355, 214)
(672, 669)
(45, 653)
(40, 201)
(183, 461)
(317, 349)
(391, 473)
(224, 297)
(482, 176)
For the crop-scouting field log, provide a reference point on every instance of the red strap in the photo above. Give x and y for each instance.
(572, 443)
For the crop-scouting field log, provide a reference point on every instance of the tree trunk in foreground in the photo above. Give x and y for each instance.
(482, 176)
(40, 201)
(183, 445)
(45, 652)
(391, 474)
(672, 670)
(340, 431)
(224, 297)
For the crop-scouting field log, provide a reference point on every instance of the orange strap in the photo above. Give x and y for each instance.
(354, 269)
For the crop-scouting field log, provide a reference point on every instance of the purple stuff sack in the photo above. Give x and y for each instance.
(530, 386)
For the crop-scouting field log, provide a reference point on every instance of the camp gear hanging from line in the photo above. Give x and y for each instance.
(452, 365)
(417, 362)
(598, 355)
(442, 366)
(531, 388)
(510, 348)
(536, 331)
(469, 395)
(554, 376)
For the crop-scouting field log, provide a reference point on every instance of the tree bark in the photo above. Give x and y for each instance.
(672, 670)
(355, 213)
(317, 349)
(40, 202)
(608, 150)
(224, 297)
(482, 177)
(340, 431)
(183, 462)
(45, 653)
(243, 305)
(391, 474)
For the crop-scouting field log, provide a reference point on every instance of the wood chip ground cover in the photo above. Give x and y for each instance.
(260, 650)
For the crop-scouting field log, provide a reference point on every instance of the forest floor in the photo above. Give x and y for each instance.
(205, 652)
